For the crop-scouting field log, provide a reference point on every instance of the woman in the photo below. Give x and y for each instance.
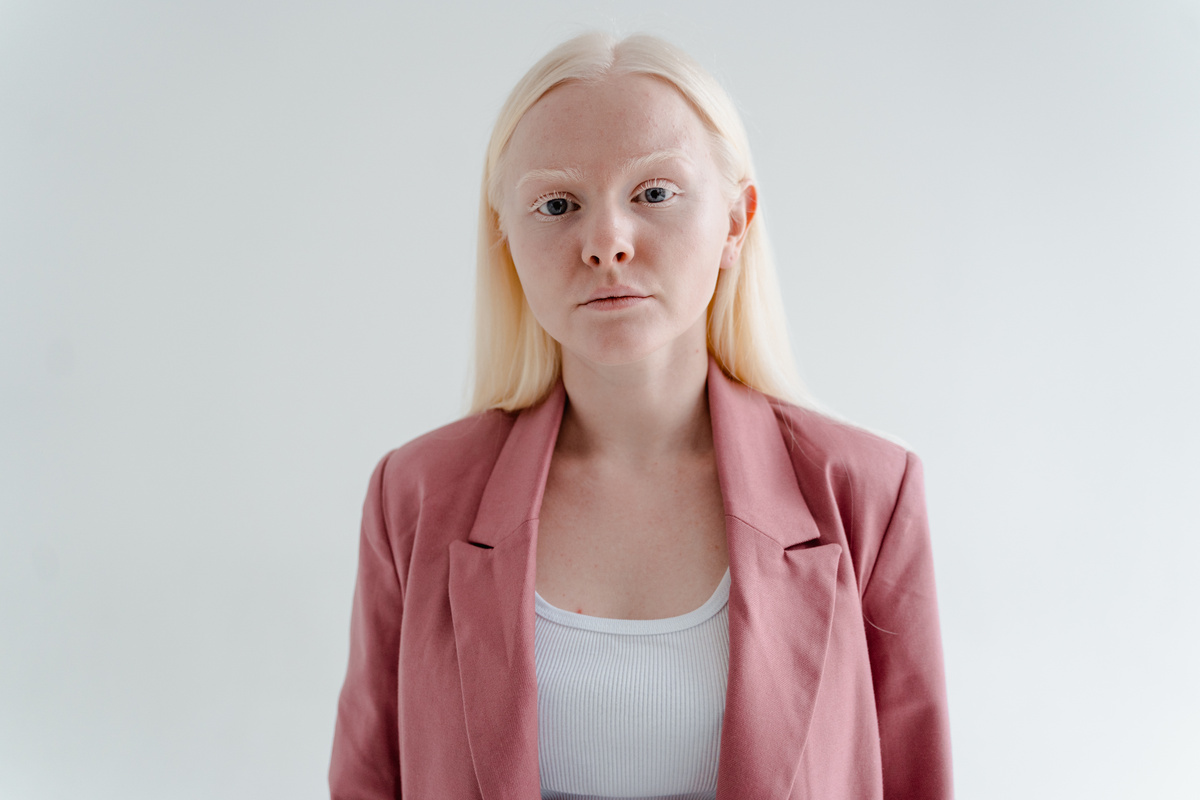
(636, 571)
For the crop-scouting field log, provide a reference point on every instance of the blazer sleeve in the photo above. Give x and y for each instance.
(904, 643)
(365, 763)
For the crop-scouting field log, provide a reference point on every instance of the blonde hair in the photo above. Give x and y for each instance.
(516, 362)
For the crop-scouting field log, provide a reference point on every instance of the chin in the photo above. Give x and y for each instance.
(636, 341)
(634, 351)
(616, 357)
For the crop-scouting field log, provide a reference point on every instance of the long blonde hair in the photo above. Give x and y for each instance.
(516, 362)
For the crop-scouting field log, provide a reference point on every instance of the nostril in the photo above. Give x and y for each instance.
(620, 257)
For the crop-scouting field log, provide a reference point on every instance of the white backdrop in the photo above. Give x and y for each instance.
(236, 252)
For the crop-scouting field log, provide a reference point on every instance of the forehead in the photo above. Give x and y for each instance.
(593, 125)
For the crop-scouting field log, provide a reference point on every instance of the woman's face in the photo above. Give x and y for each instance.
(618, 219)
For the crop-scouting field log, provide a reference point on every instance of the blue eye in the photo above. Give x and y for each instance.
(555, 207)
(658, 194)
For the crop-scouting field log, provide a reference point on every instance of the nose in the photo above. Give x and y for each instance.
(608, 239)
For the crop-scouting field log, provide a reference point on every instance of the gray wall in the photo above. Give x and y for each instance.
(236, 252)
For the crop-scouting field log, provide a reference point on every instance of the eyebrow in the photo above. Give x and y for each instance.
(575, 174)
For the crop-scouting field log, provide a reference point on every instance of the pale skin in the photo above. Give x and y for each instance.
(619, 221)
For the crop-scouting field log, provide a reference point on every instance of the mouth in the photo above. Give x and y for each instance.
(615, 297)
(614, 303)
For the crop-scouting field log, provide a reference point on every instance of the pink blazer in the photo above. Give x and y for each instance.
(835, 689)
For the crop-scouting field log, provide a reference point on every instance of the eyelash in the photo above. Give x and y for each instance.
(659, 183)
(546, 198)
(655, 183)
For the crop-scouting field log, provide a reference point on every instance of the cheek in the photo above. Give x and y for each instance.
(529, 244)
(543, 251)
(522, 250)
(536, 273)
(705, 240)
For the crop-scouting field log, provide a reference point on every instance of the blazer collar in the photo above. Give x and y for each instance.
(780, 604)
(513, 495)
(758, 482)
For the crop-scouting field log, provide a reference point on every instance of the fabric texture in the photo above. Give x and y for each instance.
(631, 708)
(835, 686)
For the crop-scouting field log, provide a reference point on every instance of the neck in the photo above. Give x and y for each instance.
(637, 413)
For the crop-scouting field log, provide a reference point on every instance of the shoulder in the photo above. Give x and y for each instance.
(842, 452)
(858, 486)
(443, 459)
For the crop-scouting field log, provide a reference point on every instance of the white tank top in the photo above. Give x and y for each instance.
(631, 708)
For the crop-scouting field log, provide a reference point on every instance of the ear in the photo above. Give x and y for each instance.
(741, 214)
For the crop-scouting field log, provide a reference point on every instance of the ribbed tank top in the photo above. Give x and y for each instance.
(631, 708)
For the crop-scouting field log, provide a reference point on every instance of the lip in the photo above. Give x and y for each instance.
(614, 297)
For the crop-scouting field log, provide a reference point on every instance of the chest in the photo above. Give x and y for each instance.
(631, 708)
(634, 544)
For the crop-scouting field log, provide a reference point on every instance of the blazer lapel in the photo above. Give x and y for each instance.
(492, 580)
(781, 597)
